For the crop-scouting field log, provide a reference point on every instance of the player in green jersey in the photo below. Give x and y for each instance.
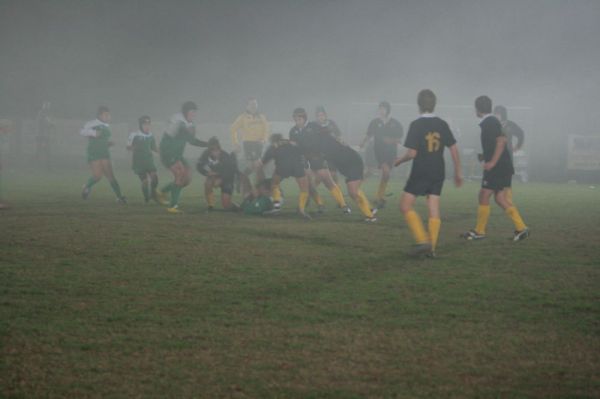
(142, 145)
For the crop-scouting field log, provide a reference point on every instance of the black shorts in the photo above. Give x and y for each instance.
(290, 170)
(386, 155)
(227, 186)
(252, 150)
(420, 187)
(496, 182)
(317, 163)
(352, 170)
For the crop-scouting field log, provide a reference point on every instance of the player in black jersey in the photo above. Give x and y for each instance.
(511, 131)
(289, 162)
(425, 142)
(324, 125)
(386, 133)
(350, 164)
(497, 173)
(220, 169)
(306, 137)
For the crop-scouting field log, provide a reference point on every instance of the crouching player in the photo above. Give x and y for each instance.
(289, 162)
(220, 169)
(142, 145)
(425, 142)
(497, 174)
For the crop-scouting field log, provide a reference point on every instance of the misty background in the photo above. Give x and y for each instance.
(147, 57)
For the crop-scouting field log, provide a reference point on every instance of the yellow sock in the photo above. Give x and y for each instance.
(483, 214)
(381, 190)
(316, 197)
(515, 216)
(302, 199)
(434, 231)
(336, 193)
(416, 227)
(363, 204)
(508, 194)
(276, 194)
(210, 199)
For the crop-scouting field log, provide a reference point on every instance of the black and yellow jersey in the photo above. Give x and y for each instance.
(491, 129)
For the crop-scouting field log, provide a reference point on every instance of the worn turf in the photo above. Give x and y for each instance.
(101, 300)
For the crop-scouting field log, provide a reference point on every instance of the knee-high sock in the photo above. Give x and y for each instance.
(416, 227)
(175, 193)
(116, 188)
(483, 214)
(337, 195)
(168, 187)
(146, 190)
(381, 190)
(363, 204)
(210, 198)
(434, 231)
(515, 216)
(91, 181)
(508, 195)
(276, 193)
(302, 199)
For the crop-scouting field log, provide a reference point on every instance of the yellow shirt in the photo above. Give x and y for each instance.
(251, 128)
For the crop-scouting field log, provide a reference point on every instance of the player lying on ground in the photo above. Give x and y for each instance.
(220, 169)
(180, 131)
(289, 162)
(497, 174)
(425, 142)
(98, 155)
(258, 201)
(142, 145)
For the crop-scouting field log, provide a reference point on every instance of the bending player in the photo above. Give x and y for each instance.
(386, 133)
(497, 174)
(425, 142)
(98, 154)
(220, 169)
(142, 145)
(180, 131)
(289, 162)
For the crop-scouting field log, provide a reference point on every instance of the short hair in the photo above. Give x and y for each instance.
(426, 100)
(276, 138)
(188, 106)
(320, 109)
(102, 109)
(213, 143)
(501, 111)
(142, 120)
(300, 112)
(483, 104)
(386, 105)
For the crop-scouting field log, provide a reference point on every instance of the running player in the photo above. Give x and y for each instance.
(220, 169)
(425, 142)
(289, 162)
(180, 131)
(142, 145)
(305, 136)
(386, 133)
(497, 174)
(98, 155)
(350, 164)
(254, 130)
(511, 131)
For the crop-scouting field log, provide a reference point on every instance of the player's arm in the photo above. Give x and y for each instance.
(500, 146)
(458, 177)
(235, 127)
(520, 134)
(409, 155)
(191, 139)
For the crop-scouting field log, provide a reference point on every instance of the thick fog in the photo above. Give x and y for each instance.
(147, 57)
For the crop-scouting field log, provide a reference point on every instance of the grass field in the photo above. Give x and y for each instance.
(99, 300)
